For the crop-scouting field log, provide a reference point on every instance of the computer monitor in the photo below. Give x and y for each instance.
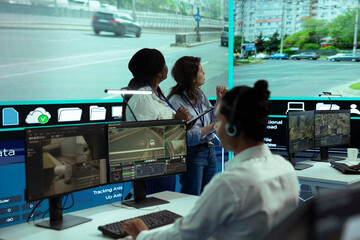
(62, 160)
(300, 132)
(332, 128)
(143, 150)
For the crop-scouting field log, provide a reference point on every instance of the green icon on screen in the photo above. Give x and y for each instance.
(43, 119)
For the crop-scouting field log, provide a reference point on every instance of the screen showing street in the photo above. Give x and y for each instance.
(75, 49)
(302, 47)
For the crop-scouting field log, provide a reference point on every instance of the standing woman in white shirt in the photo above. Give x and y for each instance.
(201, 158)
(149, 70)
(256, 191)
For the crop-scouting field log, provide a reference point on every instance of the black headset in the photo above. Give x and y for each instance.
(232, 128)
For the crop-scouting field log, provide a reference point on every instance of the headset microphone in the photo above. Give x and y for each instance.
(232, 129)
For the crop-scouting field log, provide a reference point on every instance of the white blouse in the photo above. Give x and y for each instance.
(148, 107)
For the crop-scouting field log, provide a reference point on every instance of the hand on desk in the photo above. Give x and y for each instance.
(133, 227)
(355, 167)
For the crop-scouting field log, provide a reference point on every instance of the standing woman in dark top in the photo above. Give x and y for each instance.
(149, 70)
(201, 164)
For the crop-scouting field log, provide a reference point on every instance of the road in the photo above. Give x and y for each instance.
(289, 78)
(70, 65)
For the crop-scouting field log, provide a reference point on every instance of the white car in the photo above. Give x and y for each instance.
(261, 56)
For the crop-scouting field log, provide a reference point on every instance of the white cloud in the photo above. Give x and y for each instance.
(33, 116)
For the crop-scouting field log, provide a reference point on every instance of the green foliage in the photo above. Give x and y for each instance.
(329, 48)
(311, 46)
(237, 43)
(288, 51)
(341, 30)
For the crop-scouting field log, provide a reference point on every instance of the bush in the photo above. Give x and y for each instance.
(288, 51)
(311, 46)
(329, 48)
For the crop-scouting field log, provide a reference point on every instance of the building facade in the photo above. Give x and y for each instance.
(255, 17)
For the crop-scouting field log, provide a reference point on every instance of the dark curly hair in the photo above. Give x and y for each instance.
(144, 66)
(252, 108)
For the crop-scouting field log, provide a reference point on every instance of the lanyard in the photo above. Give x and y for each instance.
(201, 118)
(164, 100)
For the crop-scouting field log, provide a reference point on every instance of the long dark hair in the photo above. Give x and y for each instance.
(252, 108)
(144, 66)
(184, 72)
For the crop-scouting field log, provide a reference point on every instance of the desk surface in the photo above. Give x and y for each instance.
(323, 175)
(101, 215)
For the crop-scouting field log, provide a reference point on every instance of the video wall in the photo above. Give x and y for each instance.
(61, 53)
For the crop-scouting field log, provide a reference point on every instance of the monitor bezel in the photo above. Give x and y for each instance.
(297, 113)
(135, 124)
(330, 112)
(68, 192)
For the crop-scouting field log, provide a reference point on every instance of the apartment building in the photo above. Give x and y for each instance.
(252, 17)
(330, 9)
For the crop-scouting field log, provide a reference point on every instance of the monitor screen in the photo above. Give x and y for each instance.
(62, 160)
(332, 128)
(140, 150)
(300, 130)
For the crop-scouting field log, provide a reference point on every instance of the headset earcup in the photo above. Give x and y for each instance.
(231, 130)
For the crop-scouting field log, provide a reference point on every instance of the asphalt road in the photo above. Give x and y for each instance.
(304, 78)
(67, 65)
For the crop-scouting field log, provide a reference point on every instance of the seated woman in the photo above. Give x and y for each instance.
(257, 190)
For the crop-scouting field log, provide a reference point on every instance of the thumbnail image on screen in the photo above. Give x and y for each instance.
(61, 160)
(332, 128)
(300, 131)
(139, 150)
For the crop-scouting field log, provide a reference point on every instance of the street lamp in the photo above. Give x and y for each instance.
(356, 28)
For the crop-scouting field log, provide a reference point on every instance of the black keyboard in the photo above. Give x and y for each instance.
(344, 168)
(152, 220)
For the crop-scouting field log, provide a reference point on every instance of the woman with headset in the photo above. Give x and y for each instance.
(201, 158)
(256, 191)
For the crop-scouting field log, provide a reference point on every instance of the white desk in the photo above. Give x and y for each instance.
(322, 175)
(101, 215)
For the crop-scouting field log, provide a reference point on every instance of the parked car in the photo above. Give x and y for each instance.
(224, 38)
(118, 23)
(261, 56)
(344, 57)
(279, 56)
(305, 55)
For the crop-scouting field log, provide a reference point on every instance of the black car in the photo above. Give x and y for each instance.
(305, 55)
(118, 23)
(224, 38)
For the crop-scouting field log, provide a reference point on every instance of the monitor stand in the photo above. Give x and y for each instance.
(297, 166)
(140, 200)
(324, 156)
(57, 221)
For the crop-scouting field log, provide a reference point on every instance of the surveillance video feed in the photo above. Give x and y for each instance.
(301, 47)
(63, 163)
(301, 131)
(84, 46)
(139, 152)
(332, 128)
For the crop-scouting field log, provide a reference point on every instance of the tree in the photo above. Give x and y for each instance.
(237, 43)
(341, 29)
(312, 32)
(315, 29)
(272, 45)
